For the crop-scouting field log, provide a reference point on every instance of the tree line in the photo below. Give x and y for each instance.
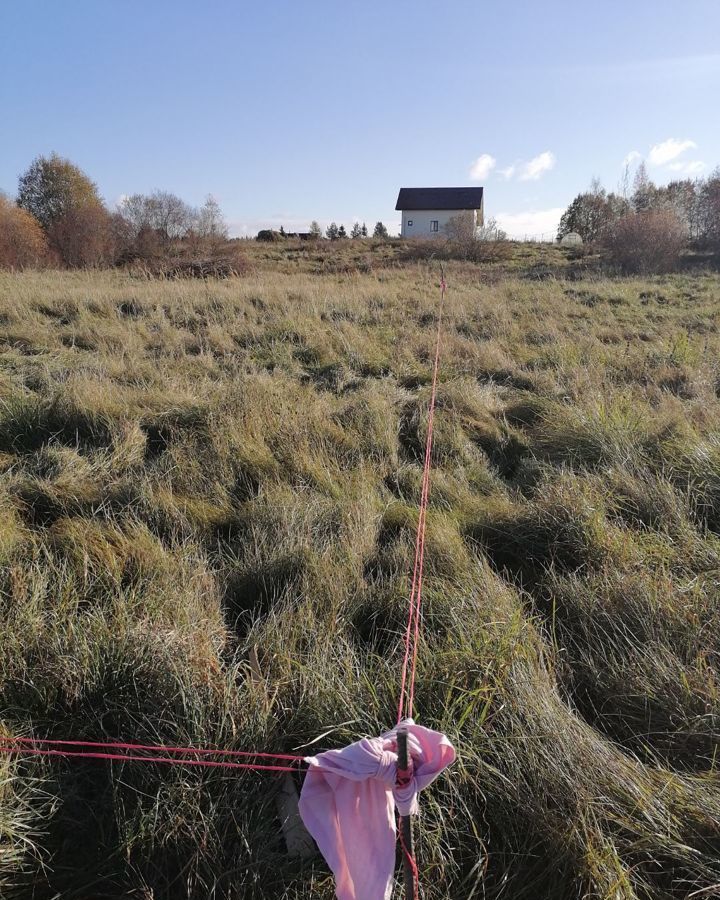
(647, 225)
(58, 217)
(333, 232)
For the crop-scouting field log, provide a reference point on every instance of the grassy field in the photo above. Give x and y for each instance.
(194, 475)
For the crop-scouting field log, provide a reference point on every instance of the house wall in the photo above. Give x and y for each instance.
(421, 219)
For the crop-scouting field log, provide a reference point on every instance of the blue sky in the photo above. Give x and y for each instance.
(289, 111)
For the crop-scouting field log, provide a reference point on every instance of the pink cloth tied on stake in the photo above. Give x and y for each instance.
(348, 804)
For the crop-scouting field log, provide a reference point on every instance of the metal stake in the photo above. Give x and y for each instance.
(404, 774)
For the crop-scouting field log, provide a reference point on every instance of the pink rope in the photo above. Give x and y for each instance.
(126, 757)
(412, 629)
(152, 748)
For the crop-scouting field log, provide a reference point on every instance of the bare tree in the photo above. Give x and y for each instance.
(210, 220)
(162, 212)
(644, 191)
(709, 209)
(490, 231)
(624, 185)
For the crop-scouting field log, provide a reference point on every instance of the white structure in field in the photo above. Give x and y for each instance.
(571, 239)
(426, 212)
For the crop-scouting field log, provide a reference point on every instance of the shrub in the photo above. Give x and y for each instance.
(269, 235)
(646, 242)
(83, 236)
(22, 241)
(478, 251)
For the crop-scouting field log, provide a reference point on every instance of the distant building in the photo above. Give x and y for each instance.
(426, 212)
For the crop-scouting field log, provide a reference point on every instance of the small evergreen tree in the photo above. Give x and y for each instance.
(331, 232)
(341, 232)
(282, 231)
(380, 230)
(363, 230)
(356, 231)
(315, 232)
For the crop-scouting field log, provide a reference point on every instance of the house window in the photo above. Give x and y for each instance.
(433, 224)
(409, 223)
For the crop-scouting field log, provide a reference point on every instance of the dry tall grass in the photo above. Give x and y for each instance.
(196, 471)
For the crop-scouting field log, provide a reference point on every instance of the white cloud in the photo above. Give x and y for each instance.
(632, 157)
(482, 167)
(537, 166)
(542, 223)
(508, 172)
(691, 167)
(665, 152)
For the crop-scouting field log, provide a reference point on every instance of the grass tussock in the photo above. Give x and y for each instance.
(208, 506)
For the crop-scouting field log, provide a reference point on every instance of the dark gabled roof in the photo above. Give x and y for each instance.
(440, 198)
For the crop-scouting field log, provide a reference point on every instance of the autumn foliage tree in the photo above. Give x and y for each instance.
(66, 203)
(52, 186)
(22, 241)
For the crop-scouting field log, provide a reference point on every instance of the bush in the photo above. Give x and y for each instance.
(646, 242)
(22, 241)
(222, 267)
(228, 264)
(477, 251)
(84, 237)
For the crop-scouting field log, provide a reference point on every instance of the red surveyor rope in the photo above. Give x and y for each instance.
(99, 750)
(165, 760)
(412, 631)
(152, 748)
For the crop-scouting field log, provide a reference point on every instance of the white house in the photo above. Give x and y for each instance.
(427, 211)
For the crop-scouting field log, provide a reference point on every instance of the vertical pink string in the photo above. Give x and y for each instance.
(412, 630)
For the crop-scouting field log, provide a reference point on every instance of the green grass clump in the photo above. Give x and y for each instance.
(208, 507)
